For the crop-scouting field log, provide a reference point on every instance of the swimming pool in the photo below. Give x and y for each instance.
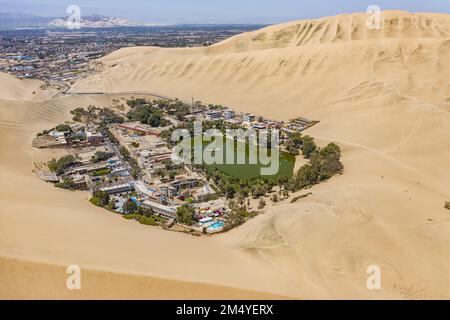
(216, 226)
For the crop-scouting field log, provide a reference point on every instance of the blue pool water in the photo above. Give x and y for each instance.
(216, 225)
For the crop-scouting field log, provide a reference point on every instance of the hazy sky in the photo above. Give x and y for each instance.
(215, 11)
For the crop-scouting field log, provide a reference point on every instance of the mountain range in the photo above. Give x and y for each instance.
(24, 20)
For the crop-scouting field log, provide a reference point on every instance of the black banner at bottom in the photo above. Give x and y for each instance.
(223, 309)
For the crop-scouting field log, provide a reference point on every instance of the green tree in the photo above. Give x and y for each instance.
(63, 163)
(66, 184)
(148, 221)
(125, 153)
(100, 198)
(130, 207)
(63, 128)
(160, 173)
(241, 201)
(112, 204)
(185, 214)
(230, 191)
(306, 176)
(308, 146)
(261, 204)
(331, 160)
(100, 156)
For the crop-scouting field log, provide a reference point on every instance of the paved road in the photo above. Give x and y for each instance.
(142, 93)
(113, 147)
(64, 88)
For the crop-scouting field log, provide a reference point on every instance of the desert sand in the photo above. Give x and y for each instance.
(383, 95)
(13, 88)
(22, 279)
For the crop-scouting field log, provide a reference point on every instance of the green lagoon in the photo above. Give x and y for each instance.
(248, 169)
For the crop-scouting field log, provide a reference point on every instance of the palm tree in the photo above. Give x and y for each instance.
(241, 201)
(261, 204)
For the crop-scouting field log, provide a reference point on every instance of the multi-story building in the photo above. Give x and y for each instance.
(94, 138)
(249, 117)
(229, 114)
(160, 209)
(174, 188)
(214, 115)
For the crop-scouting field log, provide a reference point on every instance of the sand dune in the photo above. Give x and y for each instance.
(383, 95)
(12, 88)
(27, 280)
(299, 66)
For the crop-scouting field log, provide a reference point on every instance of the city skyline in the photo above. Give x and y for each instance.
(207, 12)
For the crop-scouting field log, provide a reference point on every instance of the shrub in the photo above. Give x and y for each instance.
(148, 221)
(135, 144)
(66, 184)
(131, 216)
(102, 172)
(63, 128)
(96, 201)
(300, 197)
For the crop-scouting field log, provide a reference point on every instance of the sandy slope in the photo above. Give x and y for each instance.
(26, 280)
(383, 95)
(299, 66)
(12, 88)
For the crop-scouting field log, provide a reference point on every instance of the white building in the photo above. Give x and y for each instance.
(228, 114)
(118, 188)
(249, 117)
(162, 210)
(214, 115)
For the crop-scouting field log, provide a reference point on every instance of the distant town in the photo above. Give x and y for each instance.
(122, 155)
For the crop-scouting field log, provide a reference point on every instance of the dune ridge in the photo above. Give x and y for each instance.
(342, 28)
(256, 69)
(383, 96)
